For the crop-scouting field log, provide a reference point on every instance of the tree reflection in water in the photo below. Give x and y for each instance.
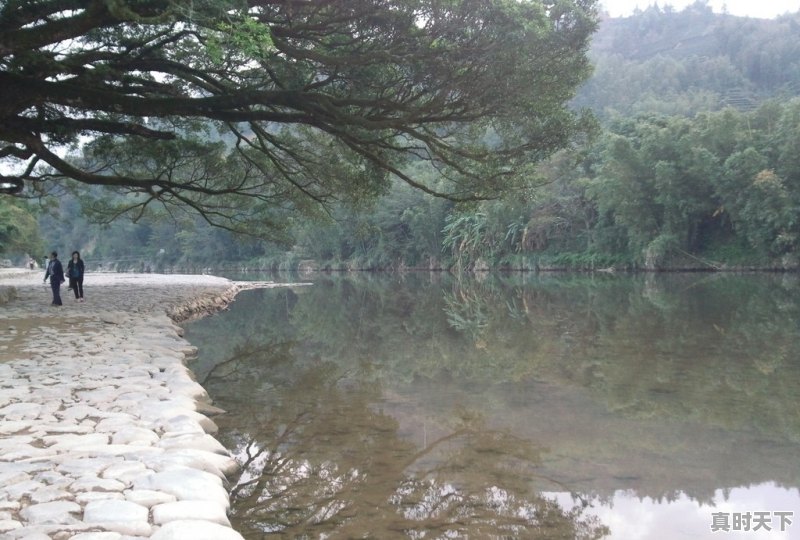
(321, 460)
(435, 408)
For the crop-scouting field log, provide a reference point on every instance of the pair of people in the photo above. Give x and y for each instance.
(55, 271)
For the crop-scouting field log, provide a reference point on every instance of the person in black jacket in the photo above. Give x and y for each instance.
(75, 275)
(56, 274)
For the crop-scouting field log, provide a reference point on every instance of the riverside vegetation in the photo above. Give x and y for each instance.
(694, 163)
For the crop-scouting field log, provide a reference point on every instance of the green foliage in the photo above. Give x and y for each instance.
(769, 215)
(584, 261)
(250, 115)
(19, 230)
(249, 36)
(465, 235)
(662, 61)
(697, 178)
(651, 191)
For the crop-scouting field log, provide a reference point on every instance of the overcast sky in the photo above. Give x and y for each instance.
(748, 8)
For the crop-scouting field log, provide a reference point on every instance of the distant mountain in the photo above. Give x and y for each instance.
(682, 62)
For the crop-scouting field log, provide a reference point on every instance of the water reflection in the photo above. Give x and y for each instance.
(517, 407)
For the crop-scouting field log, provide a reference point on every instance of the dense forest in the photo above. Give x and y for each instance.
(694, 163)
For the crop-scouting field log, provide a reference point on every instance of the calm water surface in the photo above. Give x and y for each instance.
(423, 406)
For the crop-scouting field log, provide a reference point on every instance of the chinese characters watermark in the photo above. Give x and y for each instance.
(750, 521)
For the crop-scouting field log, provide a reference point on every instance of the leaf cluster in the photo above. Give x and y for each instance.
(314, 102)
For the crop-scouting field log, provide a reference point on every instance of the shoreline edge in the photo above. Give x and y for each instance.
(104, 432)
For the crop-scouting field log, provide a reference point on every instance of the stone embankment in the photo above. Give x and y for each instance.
(104, 433)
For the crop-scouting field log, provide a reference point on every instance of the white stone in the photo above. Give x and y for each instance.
(186, 484)
(100, 396)
(14, 440)
(186, 386)
(24, 451)
(148, 497)
(59, 512)
(86, 465)
(164, 409)
(205, 407)
(181, 425)
(9, 525)
(135, 436)
(69, 441)
(53, 479)
(93, 483)
(133, 393)
(124, 469)
(52, 398)
(21, 411)
(97, 536)
(29, 467)
(195, 530)
(194, 441)
(206, 423)
(202, 510)
(225, 464)
(22, 489)
(12, 426)
(45, 418)
(50, 493)
(115, 515)
(33, 535)
(9, 505)
(193, 459)
(116, 450)
(15, 384)
(67, 426)
(89, 496)
(116, 423)
(79, 412)
(13, 477)
(89, 423)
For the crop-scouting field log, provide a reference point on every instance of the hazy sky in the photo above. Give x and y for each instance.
(749, 8)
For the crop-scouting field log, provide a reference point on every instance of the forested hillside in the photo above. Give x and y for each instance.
(664, 62)
(695, 163)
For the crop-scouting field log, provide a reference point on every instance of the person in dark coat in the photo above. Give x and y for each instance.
(75, 275)
(56, 274)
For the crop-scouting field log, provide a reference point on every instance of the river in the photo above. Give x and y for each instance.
(520, 406)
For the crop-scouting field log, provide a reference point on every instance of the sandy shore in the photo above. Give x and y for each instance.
(104, 434)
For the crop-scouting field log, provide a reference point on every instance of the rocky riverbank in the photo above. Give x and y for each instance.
(104, 434)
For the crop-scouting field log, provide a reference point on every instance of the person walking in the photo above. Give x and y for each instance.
(56, 274)
(75, 275)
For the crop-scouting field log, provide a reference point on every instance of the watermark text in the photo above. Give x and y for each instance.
(750, 521)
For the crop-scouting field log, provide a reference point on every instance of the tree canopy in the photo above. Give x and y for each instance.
(247, 111)
(670, 182)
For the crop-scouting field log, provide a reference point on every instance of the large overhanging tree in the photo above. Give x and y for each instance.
(247, 111)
